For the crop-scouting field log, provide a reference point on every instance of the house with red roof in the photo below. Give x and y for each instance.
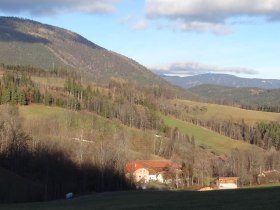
(144, 171)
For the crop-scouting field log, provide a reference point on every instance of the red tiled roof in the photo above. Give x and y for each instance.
(157, 165)
(133, 166)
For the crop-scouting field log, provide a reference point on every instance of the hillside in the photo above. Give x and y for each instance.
(254, 97)
(222, 80)
(222, 112)
(212, 141)
(27, 42)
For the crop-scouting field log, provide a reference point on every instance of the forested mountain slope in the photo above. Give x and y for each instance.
(27, 42)
(253, 98)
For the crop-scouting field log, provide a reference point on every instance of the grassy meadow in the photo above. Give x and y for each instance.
(264, 198)
(213, 141)
(215, 111)
(49, 81)
(75, 123)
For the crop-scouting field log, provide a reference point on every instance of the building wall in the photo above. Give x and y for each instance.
(141, 174)
(160, 178)
(153, 177)
(227, 183)
(227, 186)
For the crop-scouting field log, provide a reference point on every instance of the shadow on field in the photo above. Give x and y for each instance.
(265, 198)
(45, 175)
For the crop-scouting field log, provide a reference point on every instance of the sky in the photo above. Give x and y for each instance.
(174, 37)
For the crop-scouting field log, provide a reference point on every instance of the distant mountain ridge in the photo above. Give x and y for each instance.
(253, 97)
(222, 80)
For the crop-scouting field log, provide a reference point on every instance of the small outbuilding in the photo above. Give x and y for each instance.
(226, 183)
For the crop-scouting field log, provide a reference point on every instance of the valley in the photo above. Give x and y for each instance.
(73, 114)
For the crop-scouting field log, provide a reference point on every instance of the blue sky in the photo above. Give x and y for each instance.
(176, 37)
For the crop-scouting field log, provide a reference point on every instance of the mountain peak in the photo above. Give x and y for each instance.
(28, 42)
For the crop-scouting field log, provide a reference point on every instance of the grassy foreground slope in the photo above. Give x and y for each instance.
(265, 198)
(15, 188)
(215, 111)
(213, 141)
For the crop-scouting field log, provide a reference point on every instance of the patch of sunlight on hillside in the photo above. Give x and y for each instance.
(215, 111)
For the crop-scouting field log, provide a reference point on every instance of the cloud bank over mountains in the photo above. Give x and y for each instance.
(214, 16)
(53, 7)
(211, 15)
(192, 68)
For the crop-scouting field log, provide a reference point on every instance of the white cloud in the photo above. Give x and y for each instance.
(49, 7)
(211, 15)
(140, 25)
(201, 27)
(134, 23)
(193, 68)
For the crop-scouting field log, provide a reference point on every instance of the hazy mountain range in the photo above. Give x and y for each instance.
(222, 80)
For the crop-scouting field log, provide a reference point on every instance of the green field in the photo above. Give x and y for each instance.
(68, 118)
(88, 122)
(38, 111)
(215, 111)
(213, 141)
(265, 198)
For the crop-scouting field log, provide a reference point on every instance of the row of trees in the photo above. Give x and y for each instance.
(266, 108)
(40, 72)
(262, 134)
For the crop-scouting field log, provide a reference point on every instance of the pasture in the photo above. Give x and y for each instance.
(264, 198)
(221, 112)
(212, 141)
